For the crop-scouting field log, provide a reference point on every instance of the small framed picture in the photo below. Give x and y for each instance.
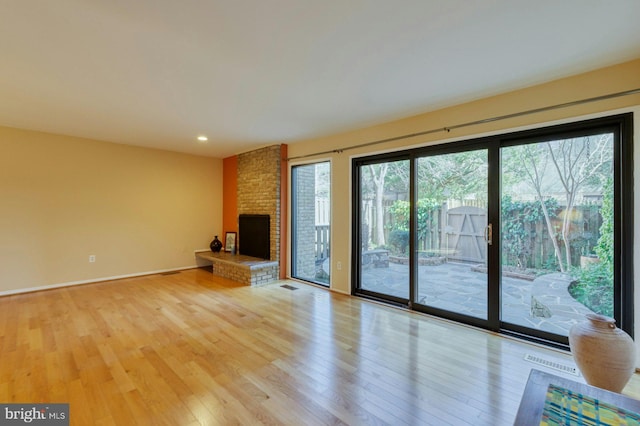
(230, 242)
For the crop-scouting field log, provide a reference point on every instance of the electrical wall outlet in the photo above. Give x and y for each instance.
(339, 266)
(92, 258)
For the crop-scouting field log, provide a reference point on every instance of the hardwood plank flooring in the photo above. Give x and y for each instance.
(195, 349)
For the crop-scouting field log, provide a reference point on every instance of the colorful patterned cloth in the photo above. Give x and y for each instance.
(567, 408)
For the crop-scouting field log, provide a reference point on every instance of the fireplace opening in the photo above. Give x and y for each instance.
(254, 238)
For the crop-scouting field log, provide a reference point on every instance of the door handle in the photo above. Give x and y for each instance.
(488, 234)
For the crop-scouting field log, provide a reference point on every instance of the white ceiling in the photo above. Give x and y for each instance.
(249, 73)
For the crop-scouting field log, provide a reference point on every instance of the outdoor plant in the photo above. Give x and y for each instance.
(594, 288)
(400, 212)
(519, 219)
(594, 285)
(604, 246)
(399, 239)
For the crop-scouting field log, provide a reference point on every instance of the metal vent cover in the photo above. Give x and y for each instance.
(289, 287)
(565, 368)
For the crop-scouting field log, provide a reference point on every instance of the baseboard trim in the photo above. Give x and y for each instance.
(91, 281)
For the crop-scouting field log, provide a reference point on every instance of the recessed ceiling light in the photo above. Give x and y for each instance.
(203, 138)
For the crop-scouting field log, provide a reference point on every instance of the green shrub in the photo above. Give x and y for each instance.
(399, 240)
(604, 246)
(401, 212)
(594, 288)
(519, 219)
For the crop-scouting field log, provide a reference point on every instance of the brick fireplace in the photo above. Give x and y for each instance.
(260, 189)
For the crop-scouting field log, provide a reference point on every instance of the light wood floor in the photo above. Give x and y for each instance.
(191, 348)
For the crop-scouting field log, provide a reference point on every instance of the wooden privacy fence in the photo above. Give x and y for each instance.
(322, 242)
(463, 237)
(457, 233)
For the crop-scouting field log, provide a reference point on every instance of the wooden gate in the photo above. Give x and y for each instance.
(463, 235)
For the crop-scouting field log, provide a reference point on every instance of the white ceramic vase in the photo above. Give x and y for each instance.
(604, 354)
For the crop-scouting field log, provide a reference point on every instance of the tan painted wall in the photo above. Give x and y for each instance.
(137, 210)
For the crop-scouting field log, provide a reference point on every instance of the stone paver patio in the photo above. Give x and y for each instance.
(456, 287)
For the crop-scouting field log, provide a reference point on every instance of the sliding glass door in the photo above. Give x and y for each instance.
(523, 233)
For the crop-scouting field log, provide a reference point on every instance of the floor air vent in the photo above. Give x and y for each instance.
(552, 364)
(289, 287)
(170, 273)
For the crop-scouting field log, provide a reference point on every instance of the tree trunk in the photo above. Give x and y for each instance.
(566, 228)
(378, 182)
(547, 220)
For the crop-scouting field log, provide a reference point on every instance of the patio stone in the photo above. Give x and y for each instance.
(456, 287)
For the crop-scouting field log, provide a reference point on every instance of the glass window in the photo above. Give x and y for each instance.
(311, 222)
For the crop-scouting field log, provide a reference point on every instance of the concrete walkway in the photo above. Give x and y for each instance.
(456, 287)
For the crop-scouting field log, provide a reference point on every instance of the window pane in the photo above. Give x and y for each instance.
(311, 203)
(451, 248)
(557, 232)
(384, 233)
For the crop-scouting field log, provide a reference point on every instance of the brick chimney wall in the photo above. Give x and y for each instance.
(259, 190)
